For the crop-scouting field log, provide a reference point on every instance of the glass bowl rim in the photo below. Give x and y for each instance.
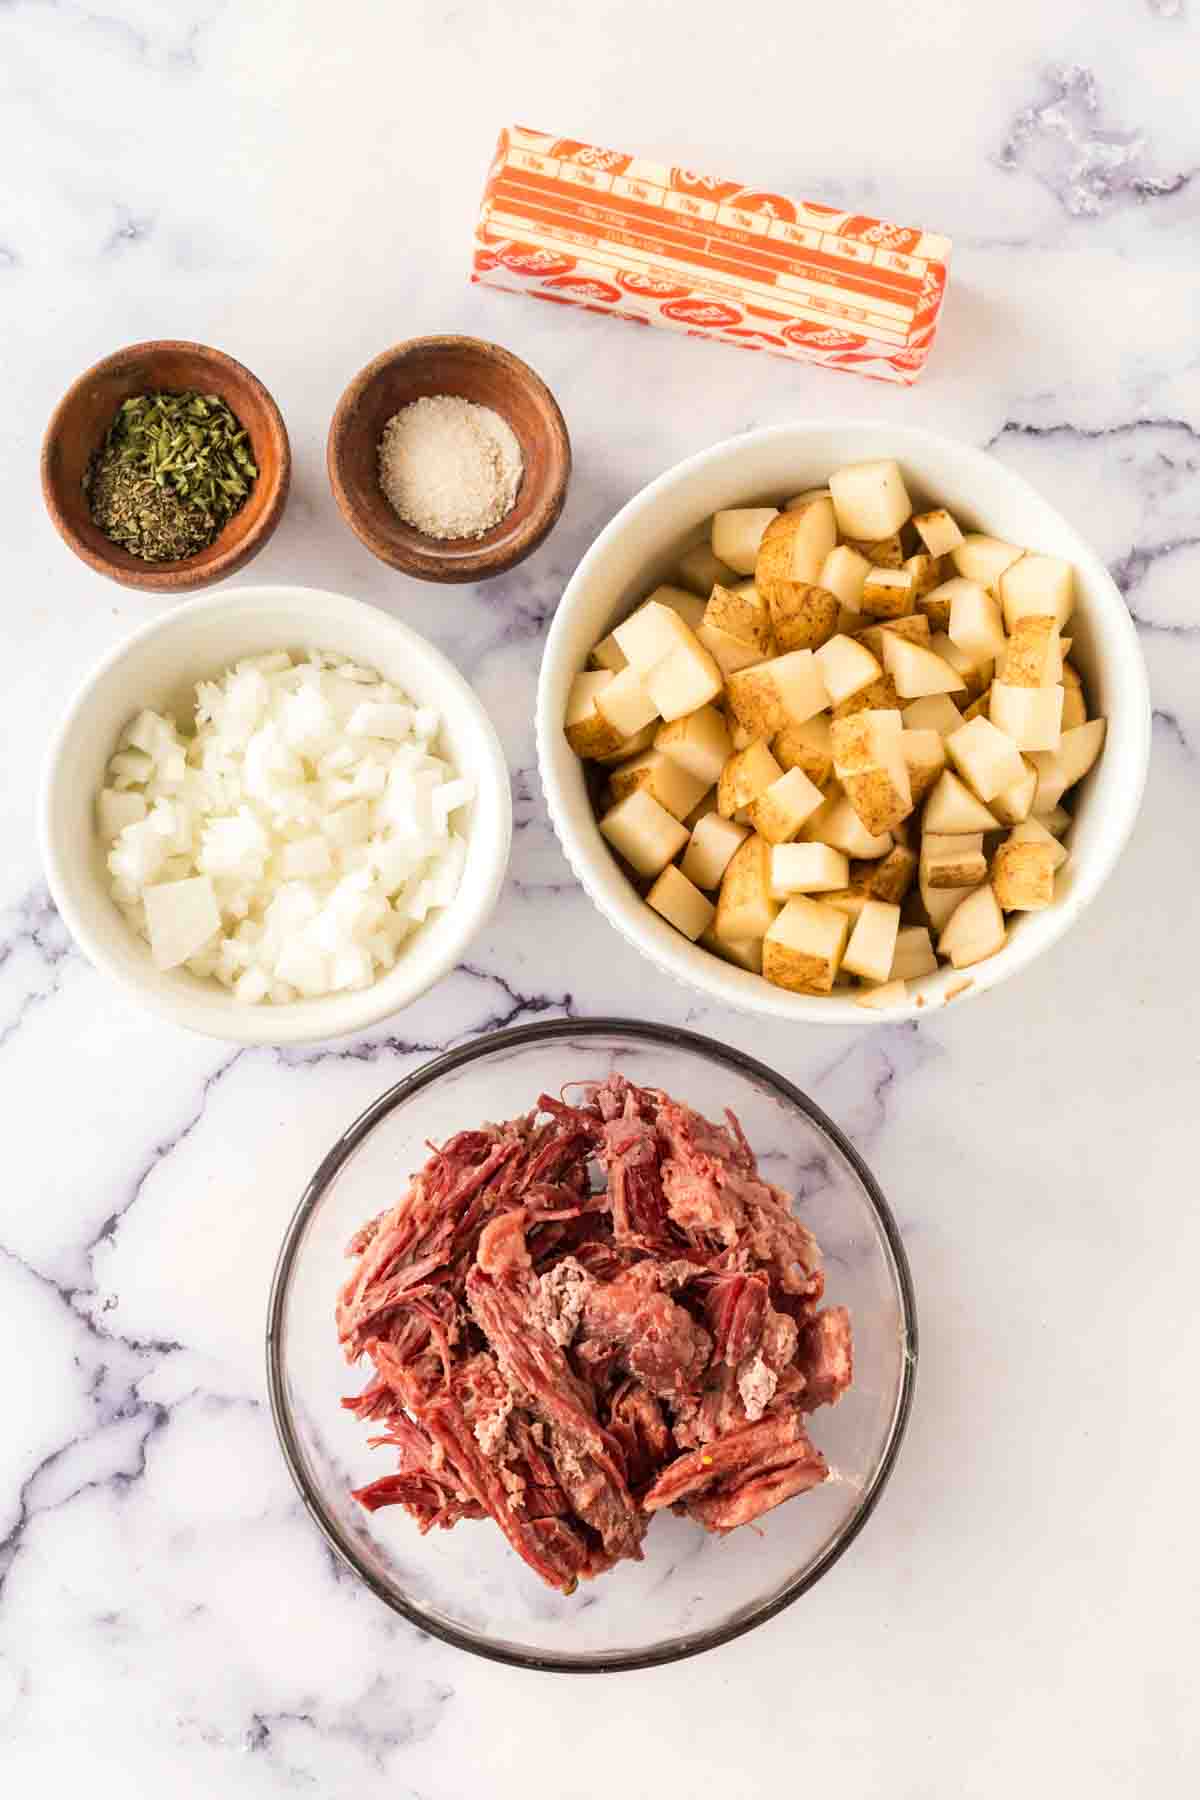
(546, 1031)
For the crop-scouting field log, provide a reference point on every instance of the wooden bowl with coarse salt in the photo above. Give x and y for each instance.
(437, 368)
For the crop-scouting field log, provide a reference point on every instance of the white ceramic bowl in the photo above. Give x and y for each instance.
(158, 667)
(641, 547)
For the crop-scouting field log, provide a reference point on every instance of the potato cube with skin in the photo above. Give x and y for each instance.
(888, 593)
(650, 634)
(914, 954)
(870, 499)
(1057, 820)
(1015, 803)
(888, 879)
(589, 733)
(643, 832)
(872, 944)
(975, 930)
(843, 573)
(918, 671)
(807, 869)
(787, 690)
(608, 654)
(739, 737)
(746, 775)
(976, 623)
(1074, 712)
(978, 709)
(673, 787)
(794, 546)
(808, 746)
(700, 571)
(745, 905)
(984, 559)
(806, 498)
(925, 757)
(975, 672)
(737, 533)
(941, 904)
(926, 572)
(936, 605)
(985, 757)
(729, 653)
(685, 680)
(1031, 717)
(803, 617)
(846, 667)
(1033, 655)
(938, 532)
(1023, 875)
(838, 825)
(849, 900)
(698, 742)
(632, 746)
(882, 553)
(935, 712)
(781, 809)
(913, 626)
(1032, 831)
(953, 809)
(884, 998)
(625, 703)
(802, 951)
(953, 862)
(1037, 585)
(711, 848)
(746, 953)
(868, 759)
(680, 903)
(742, 615)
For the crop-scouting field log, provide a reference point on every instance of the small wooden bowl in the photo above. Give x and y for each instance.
(77, 430)
(476, 371)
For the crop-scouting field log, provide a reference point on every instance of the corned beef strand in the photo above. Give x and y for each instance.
(584, 1315)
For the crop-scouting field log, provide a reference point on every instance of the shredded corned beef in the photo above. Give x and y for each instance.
(579, 1317)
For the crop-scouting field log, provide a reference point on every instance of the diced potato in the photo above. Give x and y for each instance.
(681, 600)
(631, 746)
(872, 945)
(914, 954)
(742, 615)
(788, 690)
(918, 671)
(1056, 820)
(980, 708)
(838, 825)
(589, 733)
(868, 759)
(745, 905)
(794, 546)
(650, 634)
(942, 903)
(626, 704)
(883, 553)
(674, 787)
(936, 712)
(114, 811)
(913, 626)
(936, 606)
(745, 952)
(1023, 874)
(976, 622)
(1077, 751)
(926, 572)
(1032, 717)
(888, 593)
(975, 674)
(1032, 831)
(609, 655)
(806, 498)
(976, 930)
(781, 809)
(746, 775)
(680, 903)
(984, 559)
(1074, 712)
(849, 900)
(808, 746)
(870, 499)
(952, 809)
(888, 879)
(803, 617)
(1013, 804)
(985, 757)
(802, 950)
(643, 832)
(953, 862)
(711, 849)
(698, 742)
(846, 667)
(701, 571)
(925, 757)
(938, 532)
(729, 653)
(702, 809)
(883, 998)
(1037, 585)
(739, 737)
(807, 869)
(843, 573)
(1033, 657)
(877, 696)
(737, 533)
(683, 681)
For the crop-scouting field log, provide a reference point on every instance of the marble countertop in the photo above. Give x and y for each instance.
(297, 184)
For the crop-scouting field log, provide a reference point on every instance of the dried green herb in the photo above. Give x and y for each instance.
(172, 470)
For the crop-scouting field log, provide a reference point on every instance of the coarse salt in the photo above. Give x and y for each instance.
(450, 468)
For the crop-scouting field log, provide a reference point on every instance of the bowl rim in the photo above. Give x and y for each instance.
(187, 574)
(731, 986)
(670, 1037)
(453, 560)
(269, 1025)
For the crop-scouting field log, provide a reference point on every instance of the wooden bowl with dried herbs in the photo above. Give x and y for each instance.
(166, 466)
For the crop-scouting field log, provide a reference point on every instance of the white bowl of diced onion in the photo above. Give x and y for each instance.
(642, 547)
(157, 669)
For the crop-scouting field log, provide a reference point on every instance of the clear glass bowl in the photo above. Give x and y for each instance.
(693, 1590)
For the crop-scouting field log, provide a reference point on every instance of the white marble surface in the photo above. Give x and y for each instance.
(296, 183)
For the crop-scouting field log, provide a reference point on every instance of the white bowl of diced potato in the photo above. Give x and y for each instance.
(840, 722)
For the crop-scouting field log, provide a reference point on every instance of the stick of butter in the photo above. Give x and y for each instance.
(568, 222)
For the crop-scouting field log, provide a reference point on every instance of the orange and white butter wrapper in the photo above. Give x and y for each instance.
(581, 226)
